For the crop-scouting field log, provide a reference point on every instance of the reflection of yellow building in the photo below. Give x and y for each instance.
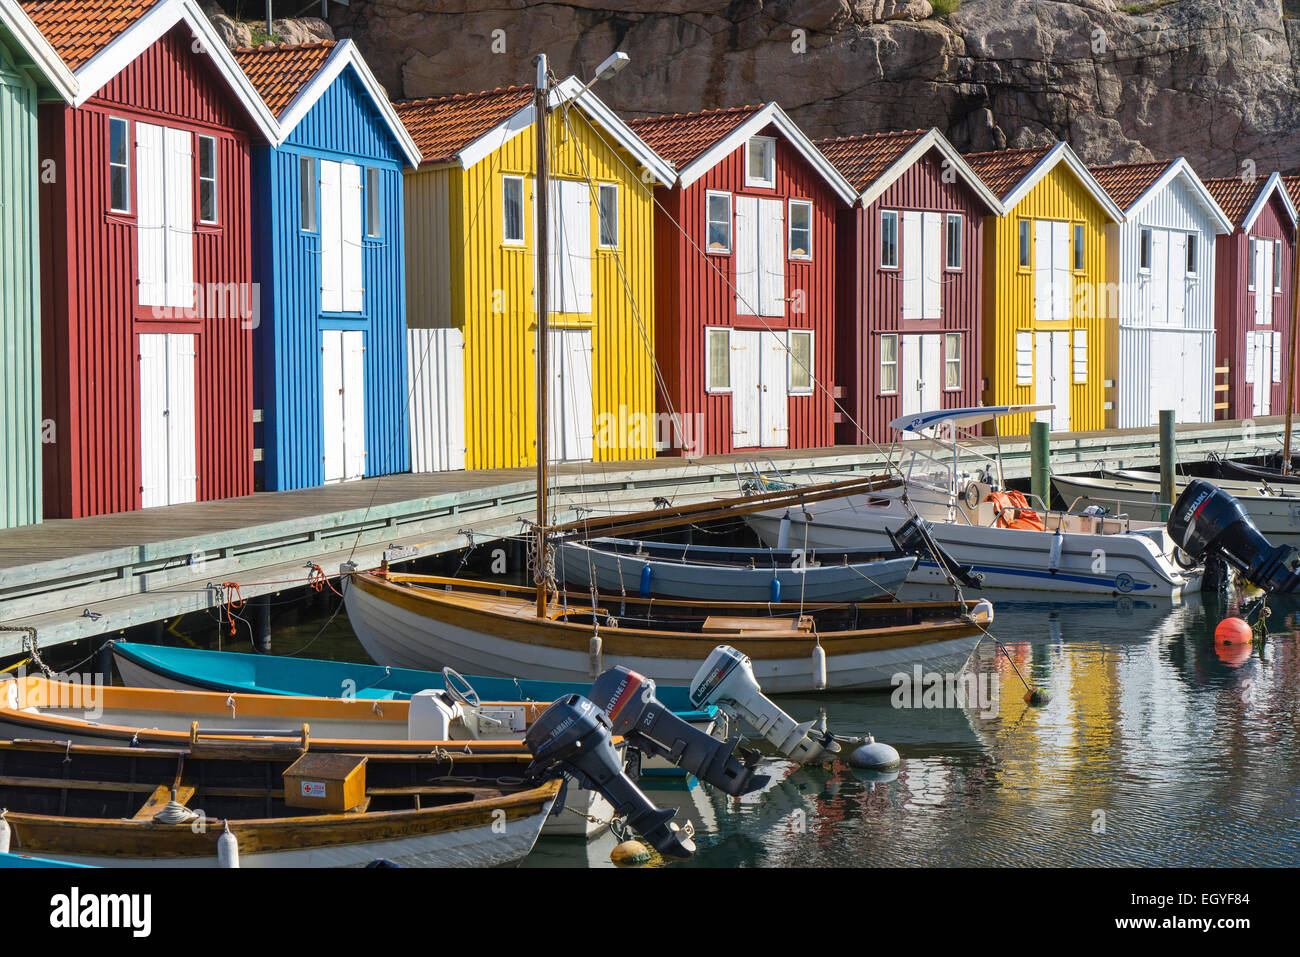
(471, 235)
(1047, 309)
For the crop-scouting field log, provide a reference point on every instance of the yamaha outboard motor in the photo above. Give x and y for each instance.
(572, 736)
(726, 679)
(913, 538)
(1207, 522)
(629, 700)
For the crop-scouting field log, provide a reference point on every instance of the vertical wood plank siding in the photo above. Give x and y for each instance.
(20, 353)
(1174, 207)
(873, 300)
(1009, 300)
(491, 292)
(701, 292)
(91, 322)
(343, 126)
(1234, 311)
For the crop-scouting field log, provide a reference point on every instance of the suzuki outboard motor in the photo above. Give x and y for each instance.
(914, 538)
(1206, 521)
(726, 679)
(629, 700)
(572, 736)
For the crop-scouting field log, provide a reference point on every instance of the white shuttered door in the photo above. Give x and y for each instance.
(771, 257)
(343, 404)
(570, 247)
(774, 403)
(912, 265)
(570, 434)
(331, 384)
(747, 303)
(1052, 376)
(436, 385)
(350, 246)
(331, 237)
(182, 459)
(153, 421)
(746, 365)
(931, 285)
(179, 204)
(151, 220)
(169, 472)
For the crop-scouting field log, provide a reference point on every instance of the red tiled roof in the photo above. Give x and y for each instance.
(682, 138)
(1235, 195)
(1126, 182)
(863, 159)
(443, 126)
(78, 29)
(1002, 170)
(280, 72)
(1292, 184)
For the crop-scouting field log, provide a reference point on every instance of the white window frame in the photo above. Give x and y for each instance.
(1145, 243)
(1193, 264)
(601, 190)
(1277, 265)
(1024, 243)
(309, 190)
(1078, 248)
(893, 216)
(792, 367)
(949, 220)
(374, 205)
(948, 362)
(214, 180)
(128, 147)
(506, 238)
(709, 332)
(709, 221)
(891, 362)
(1250, 264)
(750, 179)
(789, 232)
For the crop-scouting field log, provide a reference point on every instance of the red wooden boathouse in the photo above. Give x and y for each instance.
(908, 336)
(745, 280)
(147, 302)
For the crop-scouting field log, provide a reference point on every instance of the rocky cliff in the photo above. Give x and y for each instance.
(1216, 82)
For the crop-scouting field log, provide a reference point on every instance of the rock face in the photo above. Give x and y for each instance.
(247, 33)
(1216, 82)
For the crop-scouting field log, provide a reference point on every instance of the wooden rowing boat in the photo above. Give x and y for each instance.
(215, 723)
(425, 621)
(109, 806)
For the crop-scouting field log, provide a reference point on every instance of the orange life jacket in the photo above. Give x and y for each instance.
(1014, 511)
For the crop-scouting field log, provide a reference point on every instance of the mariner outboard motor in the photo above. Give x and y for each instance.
(1207, 522)
(913, 537)
(629, 700)
(726, 679)
(572, 736)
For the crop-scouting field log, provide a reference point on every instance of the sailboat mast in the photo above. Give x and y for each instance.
(541, 119)
(1290, 378)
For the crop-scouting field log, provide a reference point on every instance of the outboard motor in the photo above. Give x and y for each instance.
(629, 700)
(726, 679)
(572, 736)
(913, 538)
(1207, 522)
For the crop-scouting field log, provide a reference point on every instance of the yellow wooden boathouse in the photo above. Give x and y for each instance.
(471, 314)
(1049, 306)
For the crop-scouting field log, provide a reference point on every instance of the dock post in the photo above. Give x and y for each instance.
(104, 660)
(1039, 456)
(262, 623)
(1166, 462)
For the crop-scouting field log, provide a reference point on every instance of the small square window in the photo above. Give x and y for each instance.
(607, 195)
(1079, 247)
(801, 362)
(1024, 243)
(718, 359)
(207, 179)
(760, 161)
(888, 364)
(889, 239)
(512, 210)
(119, 166)
(800, 229)
(718, 212)
(1144, 249)
(952, 360)
(952, 228)
(307, 192)
(374, 203)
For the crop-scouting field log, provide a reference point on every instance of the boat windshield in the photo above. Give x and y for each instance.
(946, 448)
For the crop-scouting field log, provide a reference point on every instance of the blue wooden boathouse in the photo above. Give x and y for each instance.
(330, 341)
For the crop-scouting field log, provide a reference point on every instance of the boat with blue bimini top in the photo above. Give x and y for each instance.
(953, 480)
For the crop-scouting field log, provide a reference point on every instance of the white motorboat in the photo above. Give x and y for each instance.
(953, 480)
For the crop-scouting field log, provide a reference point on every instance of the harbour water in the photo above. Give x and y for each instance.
(1155, 749)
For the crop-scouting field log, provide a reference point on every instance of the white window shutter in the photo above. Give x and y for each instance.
(1061, 276)
(1250, 358)
(182, 465)
(747, 302)
(1042, 266)
(331, 236)
(332, 405)
(179, 207)
(153, 420)
(771, 257)
(151, 217)
(350, 216)
(577, 218)
(931, 287)
(912, 256)
(1277, 357)
(1024, 358)
(354, 403)
(1080, 356)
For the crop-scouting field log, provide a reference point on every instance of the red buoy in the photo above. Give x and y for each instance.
(1233, 631)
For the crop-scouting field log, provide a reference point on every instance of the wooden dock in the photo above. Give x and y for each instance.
(72, 579)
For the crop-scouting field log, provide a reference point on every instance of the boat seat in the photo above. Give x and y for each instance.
(764, 626)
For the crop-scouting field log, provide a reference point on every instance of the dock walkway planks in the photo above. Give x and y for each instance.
(133, 568)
